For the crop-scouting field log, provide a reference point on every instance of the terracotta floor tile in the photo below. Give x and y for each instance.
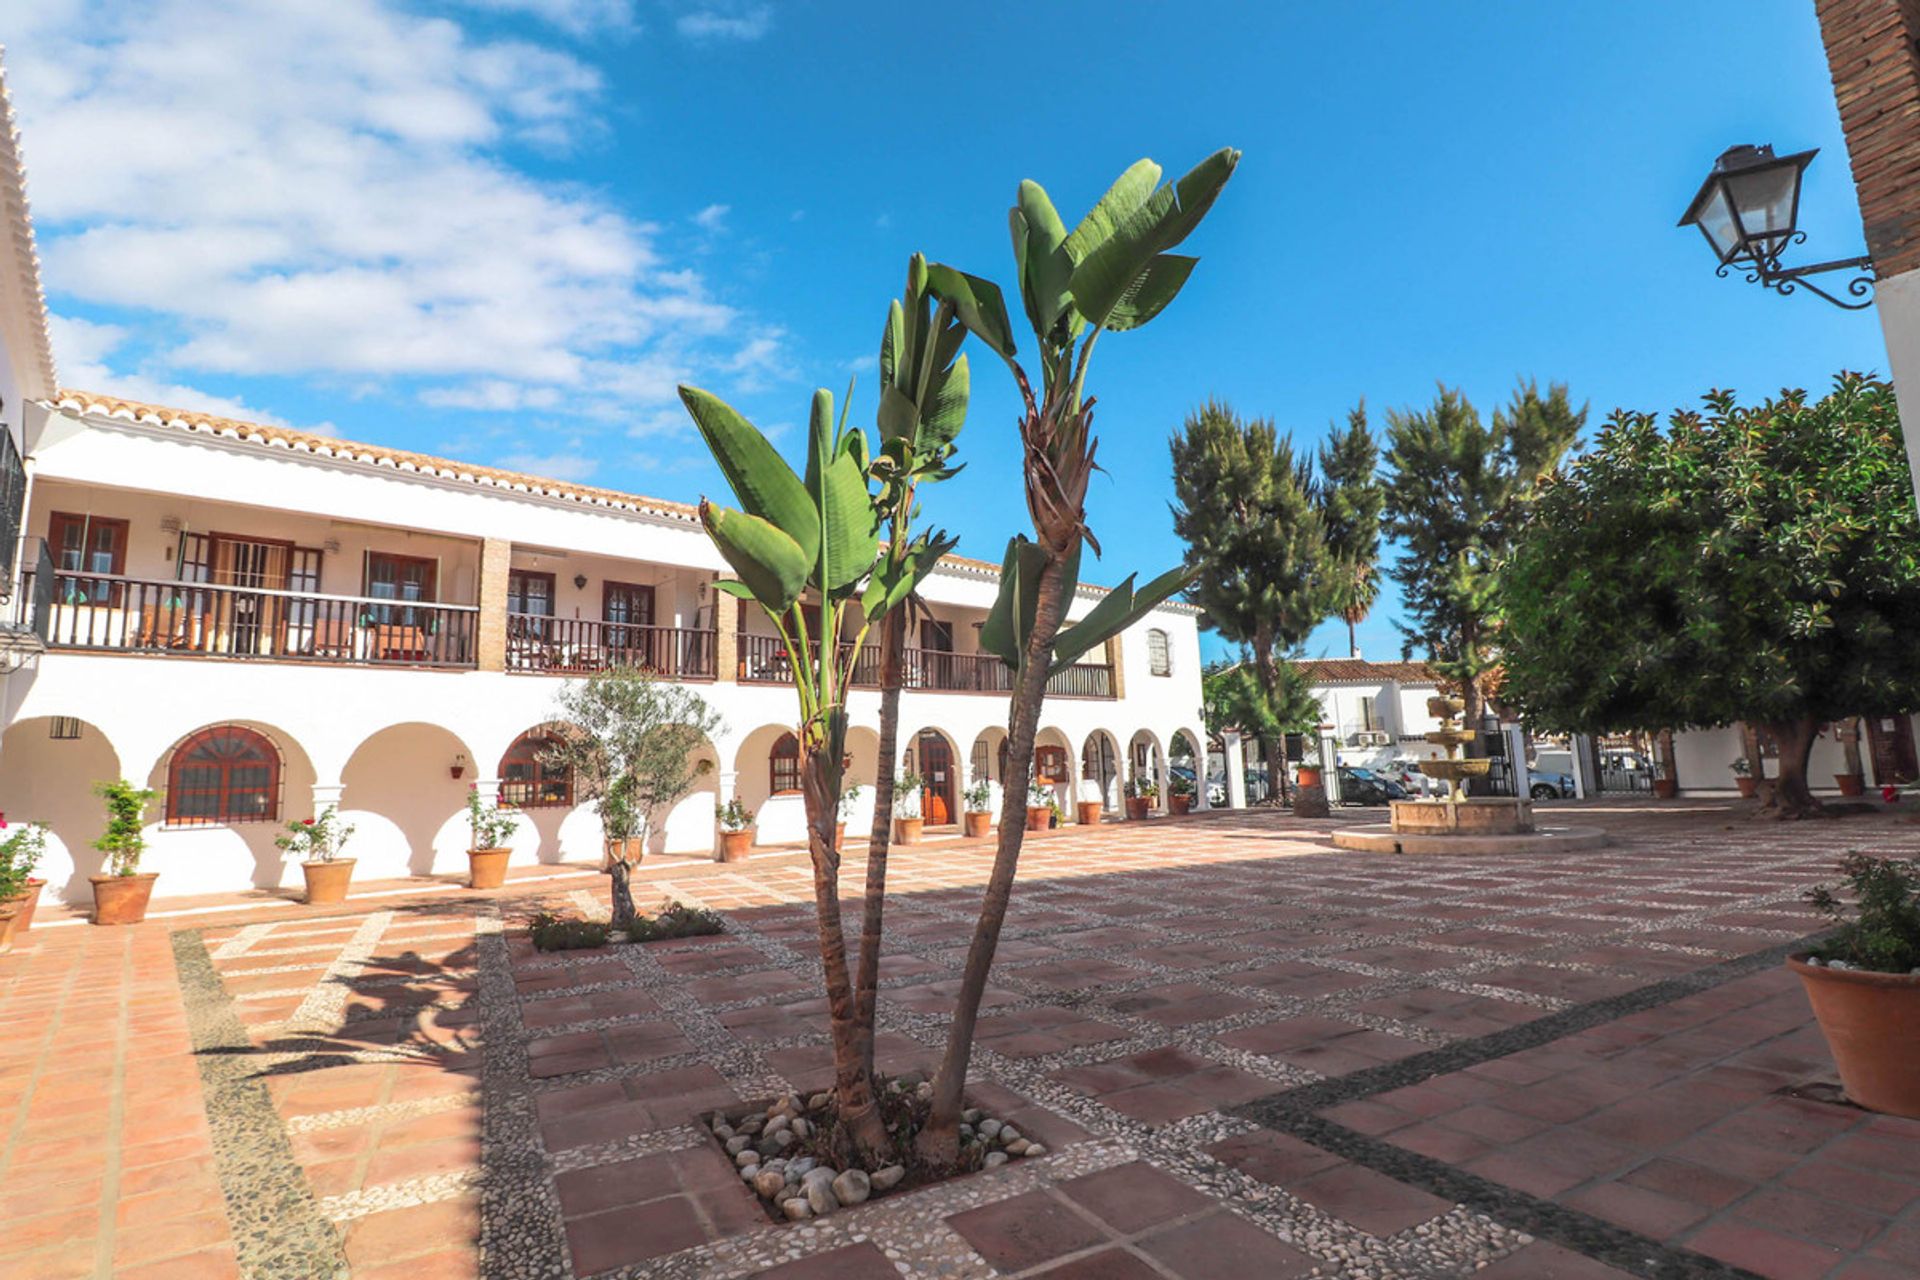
(1026, 1230)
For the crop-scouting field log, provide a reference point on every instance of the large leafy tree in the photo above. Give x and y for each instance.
(1351, 500)
(1112, 273)
(1456, 486)
(1256, 537)
(1748, 563)
(1234, 697)
(632, 744)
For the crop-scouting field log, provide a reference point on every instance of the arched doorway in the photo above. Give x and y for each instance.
(51, 764)
(1146, 763)
(1187, 769)
(404, 790)
(1100, 768)
(933, 757)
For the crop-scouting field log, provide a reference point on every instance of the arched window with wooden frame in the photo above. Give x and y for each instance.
(223, 776)
(528, 781)
(1159, 653)
(783, 765)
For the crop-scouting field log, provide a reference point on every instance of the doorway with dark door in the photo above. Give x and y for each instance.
(1890, 739)
(936, 768)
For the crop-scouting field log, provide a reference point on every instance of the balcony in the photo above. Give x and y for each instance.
(118, 614)
(580, 646)
(763, 660)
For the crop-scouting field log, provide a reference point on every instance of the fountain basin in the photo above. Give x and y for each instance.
(1477, 815)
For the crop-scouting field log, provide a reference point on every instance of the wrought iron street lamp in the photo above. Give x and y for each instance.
(1748, 209)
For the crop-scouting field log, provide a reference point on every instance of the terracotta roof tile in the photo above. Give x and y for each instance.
(1359, 670)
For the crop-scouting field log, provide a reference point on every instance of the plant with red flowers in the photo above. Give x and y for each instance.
(316, 839)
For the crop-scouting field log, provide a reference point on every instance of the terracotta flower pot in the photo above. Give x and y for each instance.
(25, 903)
(122, 899)
(978, 825)
(1180, 804)
(1872, 1025)
(1749, 787)
(1665, 788)
(1139, 807)
(1851, 784)
(1087, 812)
(735, 844)
(327, 881)
(1038, 818)
(1309, 775)
(9, 915)
(487, 868)
(906, 830)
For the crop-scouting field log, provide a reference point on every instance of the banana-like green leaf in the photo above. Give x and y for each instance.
(763, 482)
(1104, 276)
(1128, 192)
(1151, 291)
(892, 584)
(772, 565)
(946, 410)
(734, 587)
(838, 487)
(1121, 608)
(893, 341)
(898, 416)
(978, 304)
(1040, 240)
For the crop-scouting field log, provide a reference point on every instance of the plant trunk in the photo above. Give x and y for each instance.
(1669, 764)
(1849, 733)
(623, 913)
(860, 1122)
(1792, 798)
(1275, 747)
(939, 1142)
(866, 991)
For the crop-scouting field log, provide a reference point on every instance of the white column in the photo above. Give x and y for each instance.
(1161, 779)
(326, 795)
(1330, 766)
(1236, 770)
(1897, 299)
(1202, 766)
(1581, 784)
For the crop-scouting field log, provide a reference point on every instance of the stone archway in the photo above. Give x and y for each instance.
(216, 857)
(1100, 771)
(933, 754)
(51, 765)
(400, 792)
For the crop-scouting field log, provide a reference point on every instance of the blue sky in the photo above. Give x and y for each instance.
(503, 229)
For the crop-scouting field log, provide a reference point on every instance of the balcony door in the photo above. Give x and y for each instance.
(936, 643)
(628, 610)
(252, 622)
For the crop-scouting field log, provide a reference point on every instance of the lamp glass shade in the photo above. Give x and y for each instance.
(1766, 199)
(1716, 221)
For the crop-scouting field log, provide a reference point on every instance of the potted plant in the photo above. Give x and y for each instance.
(20, 852)
(735, 821)
(1039, 805)
(1087, 812)
(487, 851)
(1054, 816)
(1864, 982)
(1743, 778)
(1179, 794)
(978, 818)
(848, 798)
(121, 896)
(1851, 784)
(1141, 795)
(906, 807)
(318, 841)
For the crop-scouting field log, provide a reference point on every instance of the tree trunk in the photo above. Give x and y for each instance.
(939, 1142)
(1792, 798)
(1756, 763)
(1275, 748)
(623, 913)
(893, 661)
(1470, 719)
(859, 1112)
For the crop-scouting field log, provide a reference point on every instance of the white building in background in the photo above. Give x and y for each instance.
(260, 623)
(1375, 712)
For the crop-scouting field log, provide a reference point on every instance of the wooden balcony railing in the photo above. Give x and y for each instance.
(113, 612)
(573, 646)
(763, 660)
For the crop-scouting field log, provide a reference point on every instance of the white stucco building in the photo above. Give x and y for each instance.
(261, 623)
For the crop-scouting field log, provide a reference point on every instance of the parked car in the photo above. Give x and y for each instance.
(1550, 786)
(1408, 774)
(1363, 786)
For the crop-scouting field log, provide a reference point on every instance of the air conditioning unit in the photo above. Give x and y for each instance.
(1370, 738)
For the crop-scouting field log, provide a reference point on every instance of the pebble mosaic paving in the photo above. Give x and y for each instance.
(1248, 1054)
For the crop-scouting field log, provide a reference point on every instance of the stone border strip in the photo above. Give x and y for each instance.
(1293, 1112)
(278, 1229)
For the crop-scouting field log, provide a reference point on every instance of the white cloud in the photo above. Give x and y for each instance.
(323, 189)
(726, 22)
(84, 347)
(575, 17)
(713, 217)
(554, 466)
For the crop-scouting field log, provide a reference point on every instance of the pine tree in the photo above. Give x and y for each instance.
(1351, 500)
(1456, 487)
(1256, 539)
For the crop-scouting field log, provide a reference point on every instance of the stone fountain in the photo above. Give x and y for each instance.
(1458, 822)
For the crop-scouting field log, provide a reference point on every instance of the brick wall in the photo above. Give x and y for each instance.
(1875, 61)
